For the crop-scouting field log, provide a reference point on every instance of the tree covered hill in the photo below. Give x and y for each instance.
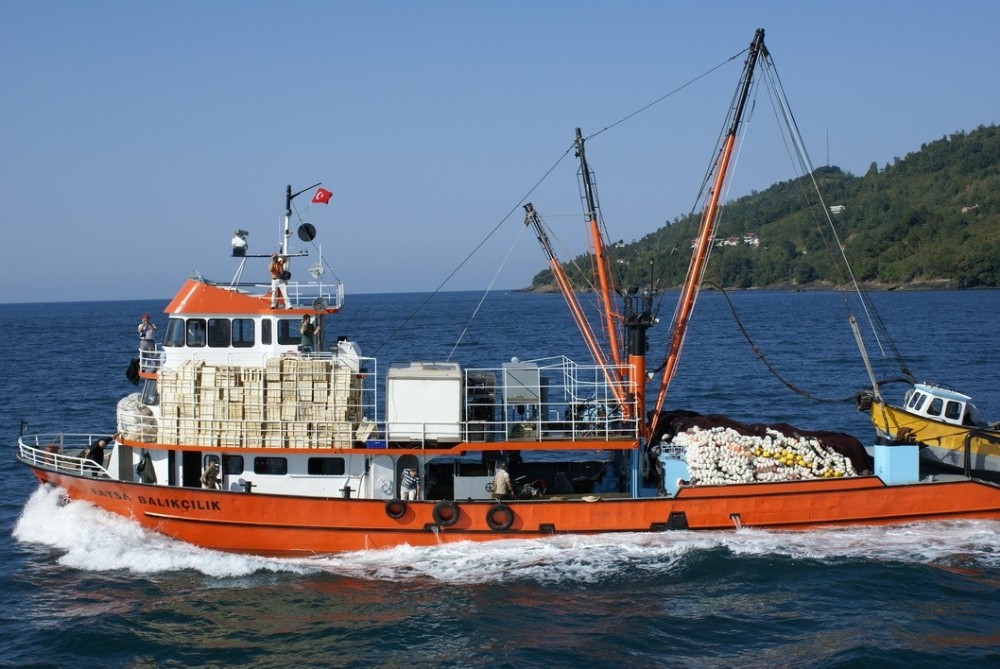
(931, 218)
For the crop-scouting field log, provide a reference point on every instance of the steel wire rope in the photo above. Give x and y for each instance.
(524, 198)
(576, 266)
(475, 249)
(664, 97)
(774, 372)
(489, 288)
(871, 313)
(704, 193)
(782, 109)
(653, 279)
(313, 241)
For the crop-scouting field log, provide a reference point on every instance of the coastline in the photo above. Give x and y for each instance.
(869, 286)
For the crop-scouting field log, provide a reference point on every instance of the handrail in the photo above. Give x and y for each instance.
(306, 407)
(974, 433)
(46, 453)
(298, 291)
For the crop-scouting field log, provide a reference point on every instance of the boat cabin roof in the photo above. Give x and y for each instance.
(943, 393)
(941, 404)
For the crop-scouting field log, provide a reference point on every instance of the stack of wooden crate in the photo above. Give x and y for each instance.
(290, 402)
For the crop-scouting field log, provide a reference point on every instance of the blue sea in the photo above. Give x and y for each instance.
(81, 588)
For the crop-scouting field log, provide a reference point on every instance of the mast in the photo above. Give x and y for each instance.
(706, 233)
(531, 218)
(283, 243)
(289, 196)
(600, 252)
(639, 318)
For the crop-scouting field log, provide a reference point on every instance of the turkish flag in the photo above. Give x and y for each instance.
(322, 196)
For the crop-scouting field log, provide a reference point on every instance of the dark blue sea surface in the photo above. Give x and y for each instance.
(82, 588)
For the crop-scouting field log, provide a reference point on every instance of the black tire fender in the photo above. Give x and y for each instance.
(395, 508)
(446, 513)
(500, 517)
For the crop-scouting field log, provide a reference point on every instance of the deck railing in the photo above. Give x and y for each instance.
(321, 401)
(62, 452)
(301, 294)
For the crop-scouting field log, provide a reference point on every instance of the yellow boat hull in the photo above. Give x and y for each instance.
(944, 444)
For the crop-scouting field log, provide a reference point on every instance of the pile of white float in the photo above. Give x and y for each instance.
(721, 455)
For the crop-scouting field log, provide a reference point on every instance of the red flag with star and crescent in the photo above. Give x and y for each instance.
(322, 196)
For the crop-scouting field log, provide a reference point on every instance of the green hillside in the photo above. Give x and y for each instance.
(929, 219)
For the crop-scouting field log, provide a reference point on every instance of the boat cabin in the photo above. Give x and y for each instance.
(941, 404)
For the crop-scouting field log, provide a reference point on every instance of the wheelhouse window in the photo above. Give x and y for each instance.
(953, 410)
(288, 331)
(935, 407)
(195, 336)
(326, 466)
(218, 333)
(270, 465)
(265, 331)
(175, 332)
(243, 332)
(915, 399)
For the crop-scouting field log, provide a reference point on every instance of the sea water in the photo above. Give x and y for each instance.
(84, 588)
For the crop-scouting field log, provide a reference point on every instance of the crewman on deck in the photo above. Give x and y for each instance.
(210, 478)
(409, 486)
(502, 489)
(308, 331)
(278, 281)
(147, 343)
(95, 452)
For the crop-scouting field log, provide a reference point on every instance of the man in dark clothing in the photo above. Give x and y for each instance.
(95, 452)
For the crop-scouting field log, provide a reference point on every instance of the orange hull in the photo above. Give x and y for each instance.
(281, 525)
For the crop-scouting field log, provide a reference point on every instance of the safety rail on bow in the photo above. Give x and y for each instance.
(62, 452)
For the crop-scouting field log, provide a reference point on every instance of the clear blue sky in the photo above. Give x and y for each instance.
(136, 136)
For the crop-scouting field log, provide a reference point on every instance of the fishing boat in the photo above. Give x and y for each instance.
(254, 434)
(945, 424)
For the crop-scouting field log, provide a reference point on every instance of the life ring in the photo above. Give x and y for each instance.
(385, 485)
(395, 508)
(500, 517)
(446, 513)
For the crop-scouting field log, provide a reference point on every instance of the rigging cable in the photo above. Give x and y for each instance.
(771, 75)
(664, 97)
(479, 306)
(774, 372)
(475, 249)
(395, 330)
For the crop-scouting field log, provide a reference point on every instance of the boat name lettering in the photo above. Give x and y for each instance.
(186, 504)
(112, 494)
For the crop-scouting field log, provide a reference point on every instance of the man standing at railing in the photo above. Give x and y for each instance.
(95, 452)
(147, 343)
(308, 332)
